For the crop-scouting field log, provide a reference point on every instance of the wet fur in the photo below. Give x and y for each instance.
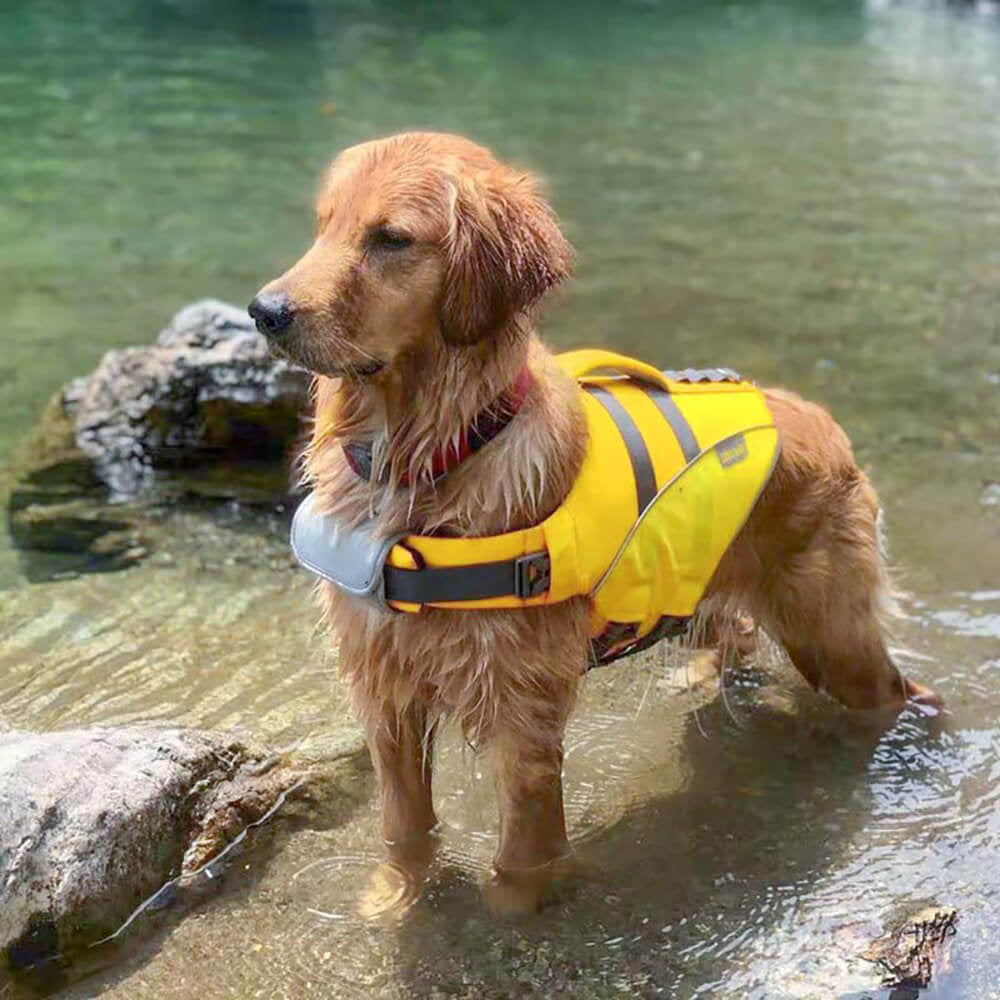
(450, 320)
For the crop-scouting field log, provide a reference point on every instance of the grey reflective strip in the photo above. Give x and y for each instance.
(678, 422)
(642, 465)
(704, 375)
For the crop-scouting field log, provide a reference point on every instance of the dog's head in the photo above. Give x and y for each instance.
(422, 240)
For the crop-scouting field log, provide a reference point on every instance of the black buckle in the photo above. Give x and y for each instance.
(532, 574)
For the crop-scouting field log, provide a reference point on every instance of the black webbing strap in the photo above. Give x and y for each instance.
(678, 422)
(638, 453)
(526, 576)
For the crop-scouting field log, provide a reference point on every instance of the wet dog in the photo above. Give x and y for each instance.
(414, 308)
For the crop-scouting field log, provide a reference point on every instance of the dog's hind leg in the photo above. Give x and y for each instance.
(857, 670)
(845, 655)
(808, 565)
(832, 603)
(828, 605)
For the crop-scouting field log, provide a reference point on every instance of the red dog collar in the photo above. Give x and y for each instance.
(484, 428)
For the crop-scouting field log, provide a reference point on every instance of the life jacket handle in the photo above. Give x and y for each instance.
(590, 361)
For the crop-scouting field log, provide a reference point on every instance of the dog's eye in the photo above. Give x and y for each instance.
(384, 238)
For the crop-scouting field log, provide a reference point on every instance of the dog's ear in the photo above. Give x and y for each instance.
(504, 252)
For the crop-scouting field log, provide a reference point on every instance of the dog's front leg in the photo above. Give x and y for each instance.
(401, 745)
(533, 844)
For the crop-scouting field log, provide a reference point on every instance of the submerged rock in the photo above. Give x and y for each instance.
(95, 822)
(917, 950)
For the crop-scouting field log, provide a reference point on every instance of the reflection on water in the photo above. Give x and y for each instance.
(806, 191)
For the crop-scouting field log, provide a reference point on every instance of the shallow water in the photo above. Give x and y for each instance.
(808, 192)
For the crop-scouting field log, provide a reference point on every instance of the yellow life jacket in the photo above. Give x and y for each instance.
(674, 464)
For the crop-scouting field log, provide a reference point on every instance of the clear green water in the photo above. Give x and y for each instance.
(809, 192)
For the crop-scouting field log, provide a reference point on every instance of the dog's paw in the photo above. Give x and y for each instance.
(928, 705)
(521, 893)
(391, 892)
(508, 895)
(396, 884)
(923, 696)
(732, 637)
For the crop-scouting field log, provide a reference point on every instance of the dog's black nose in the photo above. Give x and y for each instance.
(272, 312)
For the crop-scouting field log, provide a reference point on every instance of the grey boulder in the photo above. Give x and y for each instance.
(207, 389)
(205, 407)
(94, 822)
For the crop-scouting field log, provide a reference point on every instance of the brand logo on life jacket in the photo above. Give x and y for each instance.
(732, 451)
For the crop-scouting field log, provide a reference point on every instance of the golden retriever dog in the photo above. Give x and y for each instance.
(414, 308)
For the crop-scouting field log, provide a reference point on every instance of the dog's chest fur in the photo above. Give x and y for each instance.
(464, 663)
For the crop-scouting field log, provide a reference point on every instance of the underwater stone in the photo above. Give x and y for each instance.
(915, 951)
